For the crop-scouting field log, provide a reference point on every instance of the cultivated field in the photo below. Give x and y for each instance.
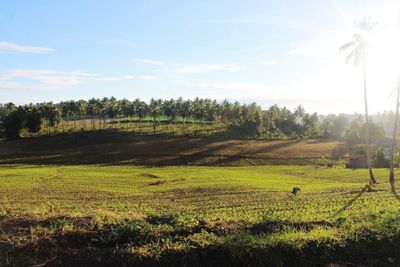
(114, 148)
(196, 215)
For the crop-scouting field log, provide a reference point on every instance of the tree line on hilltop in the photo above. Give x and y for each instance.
(241, 120)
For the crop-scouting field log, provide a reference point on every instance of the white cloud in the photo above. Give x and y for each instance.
(11, 47)
(238, 87)
(277, 20)
(148, 61)
(117, 78)
(42, 79)
(203, 68)
(12, 85)
(275, 62)
(147, 77)
(305, 50)
(323, 47)
(38, 79)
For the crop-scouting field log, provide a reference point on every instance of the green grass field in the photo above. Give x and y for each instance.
(97, 215)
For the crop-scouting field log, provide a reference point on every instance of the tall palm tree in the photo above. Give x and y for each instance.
(82, 108)
(155, 111)
(358, 54)
(124, 104)
(186, 111)
(391, 176)
(396, 118)
(92, 110)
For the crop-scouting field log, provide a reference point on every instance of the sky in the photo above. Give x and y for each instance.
(271, 52)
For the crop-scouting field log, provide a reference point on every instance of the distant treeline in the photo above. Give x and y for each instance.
(245, 120)
(352, 127)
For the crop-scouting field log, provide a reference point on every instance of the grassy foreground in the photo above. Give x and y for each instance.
(97, 215)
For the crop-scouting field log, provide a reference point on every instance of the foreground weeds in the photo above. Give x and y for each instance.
(169, 240)
(196, 216)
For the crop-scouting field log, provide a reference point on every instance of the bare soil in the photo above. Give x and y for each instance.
(121, 149)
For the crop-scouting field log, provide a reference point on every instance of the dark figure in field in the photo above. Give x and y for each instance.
(295, 190)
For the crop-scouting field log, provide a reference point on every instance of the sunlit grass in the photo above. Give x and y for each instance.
(159, 211)
(210, 190)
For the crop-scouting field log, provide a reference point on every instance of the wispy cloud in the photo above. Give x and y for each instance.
(240, 21)
(305, 50)
(37, 79)
(147, 77)
(321, 48)
(148, 61)
(42, 79)
(278, 21)
(203, 68)
(248, 87)
(275, 62)
(238, 86)
(11, 47)
(116, 78)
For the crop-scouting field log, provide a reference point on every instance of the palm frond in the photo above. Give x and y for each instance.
(347, 46)
(359, 37)
(357, 57)
(367, 25)
(351, 57)
(359, 43)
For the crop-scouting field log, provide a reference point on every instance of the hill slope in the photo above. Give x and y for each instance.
(119, 148)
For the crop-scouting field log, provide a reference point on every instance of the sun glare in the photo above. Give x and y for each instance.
(384, 62)
(385, 47)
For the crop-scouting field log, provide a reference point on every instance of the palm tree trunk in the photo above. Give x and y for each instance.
(367, 141)
(83, 120)
(131, 124)
(154, 125)
(391, 176)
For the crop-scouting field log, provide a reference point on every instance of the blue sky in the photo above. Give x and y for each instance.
(283, 52)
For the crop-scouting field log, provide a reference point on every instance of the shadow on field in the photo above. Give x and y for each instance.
(118, 148)
(351, 201)
(396, 195)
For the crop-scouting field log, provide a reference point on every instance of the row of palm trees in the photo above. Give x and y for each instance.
(236, 118)
(205, 109)
(358, 54)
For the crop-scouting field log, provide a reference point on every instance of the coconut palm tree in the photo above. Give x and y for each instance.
(358, 48)
(155, 111)
(92, 110)
(396, 118)
(141, 111)
(391, 176)
(124, 108)
(186, 112)
(82, 108)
